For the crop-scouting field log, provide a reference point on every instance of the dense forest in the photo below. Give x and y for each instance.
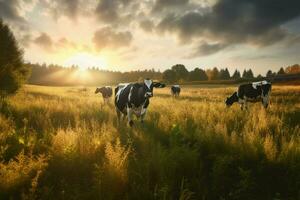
(58, 75)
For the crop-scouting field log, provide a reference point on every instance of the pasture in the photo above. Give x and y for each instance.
(65, 143)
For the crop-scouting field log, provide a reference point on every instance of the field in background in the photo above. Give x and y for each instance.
(64, 143)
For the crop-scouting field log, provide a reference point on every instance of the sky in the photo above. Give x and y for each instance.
(129, 35)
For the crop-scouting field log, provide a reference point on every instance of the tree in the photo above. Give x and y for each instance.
(269, 73)
(236, 75)
(214, 74)
(224, 74)
(181, 72)
(281, 71)
(169, 76)
(248, 74)
(12, 70)
(197, 75)
(293, 69)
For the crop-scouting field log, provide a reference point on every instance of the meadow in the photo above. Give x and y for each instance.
(65, 143)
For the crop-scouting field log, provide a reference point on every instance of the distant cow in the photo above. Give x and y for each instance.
(105, 91)
(133, 98)
(251, 92)
(175, 90)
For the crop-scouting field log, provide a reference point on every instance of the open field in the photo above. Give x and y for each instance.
(64, 143)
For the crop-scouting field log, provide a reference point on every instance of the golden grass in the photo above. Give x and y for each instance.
(72, 147)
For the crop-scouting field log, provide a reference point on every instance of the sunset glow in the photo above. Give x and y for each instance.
(85, 61)
(146, 34)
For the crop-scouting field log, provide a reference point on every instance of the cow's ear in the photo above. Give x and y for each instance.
(159, 85)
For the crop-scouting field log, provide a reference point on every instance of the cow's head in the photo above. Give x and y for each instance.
(148, 86)
(230, 100)
(99, 90)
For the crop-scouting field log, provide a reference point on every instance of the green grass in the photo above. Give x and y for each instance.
(65, 143)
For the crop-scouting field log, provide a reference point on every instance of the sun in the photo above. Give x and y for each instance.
(85, 60)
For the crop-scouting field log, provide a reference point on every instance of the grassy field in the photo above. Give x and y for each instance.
(64, 143)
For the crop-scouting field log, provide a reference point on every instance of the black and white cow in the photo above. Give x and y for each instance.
(251, 92)
(106, 92)
(175, 90)
(133, 98)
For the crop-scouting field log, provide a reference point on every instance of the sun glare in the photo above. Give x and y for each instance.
(86, 60)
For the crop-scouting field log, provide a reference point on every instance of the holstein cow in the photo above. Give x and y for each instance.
(134, 98)
(106, 92)
(251, 92)
(175, 90)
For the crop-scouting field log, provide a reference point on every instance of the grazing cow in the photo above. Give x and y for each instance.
(133, 98)
(106, 92)
(251, 92)
(175, 90)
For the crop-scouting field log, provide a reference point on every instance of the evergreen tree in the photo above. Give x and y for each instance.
(281, 71)
(269, 73)
(236, 75)
(12, 70)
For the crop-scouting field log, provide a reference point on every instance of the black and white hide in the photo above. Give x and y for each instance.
(251, 92)
(106, 93)
(133, 98)
(175, 90)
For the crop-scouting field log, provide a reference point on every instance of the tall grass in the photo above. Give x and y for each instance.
(65, 143)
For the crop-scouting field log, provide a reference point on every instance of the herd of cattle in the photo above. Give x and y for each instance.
(133, 98)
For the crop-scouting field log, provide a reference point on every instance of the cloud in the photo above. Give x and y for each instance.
(9, 9)
(44, 41)
(146, 25)
(116, 11)
(106, 37)
(162, 4)
(59, 8)
(205, 48)
(256, 22)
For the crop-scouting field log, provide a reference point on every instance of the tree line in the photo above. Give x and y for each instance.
(179, 73)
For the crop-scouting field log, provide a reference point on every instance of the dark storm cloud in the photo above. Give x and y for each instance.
(235, 21)
(9, 10)
(44, 41)
(108, 38)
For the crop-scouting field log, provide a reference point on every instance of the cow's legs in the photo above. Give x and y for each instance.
(144, 111)
(129, 115)
(265, 101)
(118, 114)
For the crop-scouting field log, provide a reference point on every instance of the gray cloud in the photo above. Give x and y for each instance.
(146, 25)
(205, 48)
(59, 8)
(44, 41)
(9, 10)
(256, 22)
(116, 11)
(162, 4)
(106, 37)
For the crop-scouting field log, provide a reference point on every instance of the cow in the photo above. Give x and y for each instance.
(175, 90)
(106, 92)
(251, 92)
(133, 98)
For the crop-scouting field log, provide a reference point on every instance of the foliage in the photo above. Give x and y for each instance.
(12, 71)
(248, 74)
